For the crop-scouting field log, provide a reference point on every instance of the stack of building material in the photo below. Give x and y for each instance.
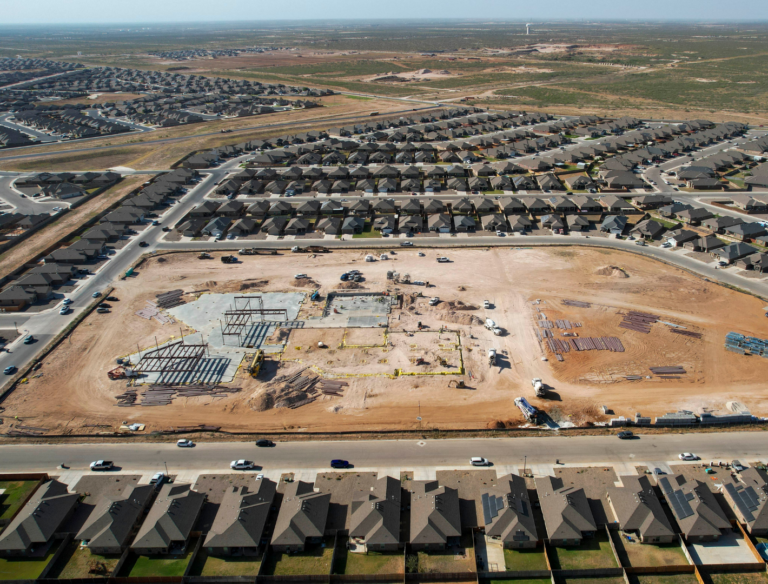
(743, 345)
(577, 303)
(127, 399)
(638, 321)
(163, 395)
(169, 299)
(566, 324)
(546, 324)
(597, 344)
(673, 370)
(293, 391)
(332, 387)
(686, 333)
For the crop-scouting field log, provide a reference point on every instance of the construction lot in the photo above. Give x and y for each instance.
(373, 377)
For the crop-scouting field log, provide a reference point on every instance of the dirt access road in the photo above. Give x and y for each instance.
(74, 393)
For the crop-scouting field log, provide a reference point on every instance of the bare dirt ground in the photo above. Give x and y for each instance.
(19, 255)
(74, 389)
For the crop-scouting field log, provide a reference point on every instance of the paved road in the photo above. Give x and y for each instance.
(405, 454)
(40, 136)
(26, 205)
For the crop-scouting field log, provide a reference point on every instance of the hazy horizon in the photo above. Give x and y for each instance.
(147, 12)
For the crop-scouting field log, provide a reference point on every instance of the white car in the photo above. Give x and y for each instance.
(183, 443)
(486, 304)
(241, 465)
(300, 276)
(101, 465)
(500, 234)
(688, 456)
(442, 260)
(478, 461)
(157, 478)
(406, 244)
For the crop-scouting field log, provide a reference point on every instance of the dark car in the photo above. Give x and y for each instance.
(29, 339)
(263, 443)
(337, 463)
(9, 370)
(143, 244)
(104, 305)
(102, 310)
(113, 298)
(625, 435)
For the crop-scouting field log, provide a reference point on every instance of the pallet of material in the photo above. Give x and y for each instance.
(669, 377)
(633, 377)
(686, 333)
(559, 357)
(577, 303)
(546, 324)
(672, 370)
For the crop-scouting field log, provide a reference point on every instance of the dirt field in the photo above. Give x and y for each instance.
(74, 390)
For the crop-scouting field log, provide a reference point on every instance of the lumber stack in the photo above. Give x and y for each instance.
(577, 303)
(686, 333)
(638, 321)
(672, 370)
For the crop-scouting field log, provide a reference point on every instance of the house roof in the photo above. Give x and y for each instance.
(750, 497)
(303, 514)
(114, 516)
(638, 508)
(375, 515)
(566, 509)
(507, 511)
(170, 518)
(40, 518)
(695, 508)
(242, 515)
(434, 513)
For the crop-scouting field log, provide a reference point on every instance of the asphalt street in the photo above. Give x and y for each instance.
(405, 454)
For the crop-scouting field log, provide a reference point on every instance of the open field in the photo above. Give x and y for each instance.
(74, 389)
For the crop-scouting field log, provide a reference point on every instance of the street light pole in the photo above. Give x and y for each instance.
(525, 461)
(166, 468)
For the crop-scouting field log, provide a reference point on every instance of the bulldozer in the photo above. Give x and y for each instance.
(459, 383)
(258, 361)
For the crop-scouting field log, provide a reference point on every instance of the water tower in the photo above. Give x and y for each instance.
(528, 28)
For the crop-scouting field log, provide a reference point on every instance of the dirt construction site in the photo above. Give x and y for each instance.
(377, 354)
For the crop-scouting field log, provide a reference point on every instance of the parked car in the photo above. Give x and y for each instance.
(102, 310)
(338, 463)
(184, 443)
(155, 223)
(486, 304)
(442, 260)
(300, 276)
(113, 298)
(241, 465)
(95, 294)
(264, 443)
(406, 244)
(625, 435)
(479, 461)
(102, 465)
(688, 456)
(157, 479)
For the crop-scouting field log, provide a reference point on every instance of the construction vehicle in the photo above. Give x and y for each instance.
(538, 387)
(204, 255)
(491, 356)
(491, 326)
(258, 360)
(458, 383)
(228, 259)
(530, 413)
(120, 372)
(315, 296)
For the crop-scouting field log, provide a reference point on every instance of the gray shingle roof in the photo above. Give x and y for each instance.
(242, 515)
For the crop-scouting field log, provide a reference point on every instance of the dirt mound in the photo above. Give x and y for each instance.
(263, 402)
(348, 286)
(612, 272)
(248, 284)
(495, 425)
(278, 337)
(456, 305)
(458, 318)
(306, 283)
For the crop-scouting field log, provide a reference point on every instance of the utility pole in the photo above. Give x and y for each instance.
(166, 468)
(525, 461)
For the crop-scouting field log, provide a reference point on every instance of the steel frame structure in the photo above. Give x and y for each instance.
(177, 357)
(240, 317)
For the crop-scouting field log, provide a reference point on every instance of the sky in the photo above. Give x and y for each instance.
(168, 11)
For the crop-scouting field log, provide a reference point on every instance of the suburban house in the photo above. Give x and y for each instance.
(494, 222)
(217, 226)
(37, 522)
(695, 508)
(464, 223)
(410, 224)
(566, 511)
(704, 244)
(745, 231)
(508, 514)
(302, 517)
(435, 516)
(243, 227)
(757, 262)
(577, 223)
(747, 498)
(439, 222)
(693, 216)
(586, 204)
(385, 223)
(616, 205)
(114, 518)
(679, 237)
(375, 516)
(274, 225)
(240, 519)
(638, 510)
(648, 229)
(518, 223)
(297, 226)
(749, 204)
(718, 224)
(614, 224)
(352, 225)
(169, 523)
(328, 225)
(731, 253)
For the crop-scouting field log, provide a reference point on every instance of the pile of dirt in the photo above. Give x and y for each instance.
(306, 283)
(263, 402)
(611, 272)
(495, 425)
(456, 305)
(248, 284)
(348, 286)
(458, 318)
(278, 337)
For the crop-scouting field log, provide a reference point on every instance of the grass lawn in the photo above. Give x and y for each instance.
(663, 579)
(518, 560)
(592, 580)
(143, 566)
(736, 578)
(368, 232)
(314, 559)
(206, 565)
(76, 561)
(15, 494)
(643, 554)
(23, 569)
(370, 563)
(592, 553)
(448, 561)
(526, 581)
